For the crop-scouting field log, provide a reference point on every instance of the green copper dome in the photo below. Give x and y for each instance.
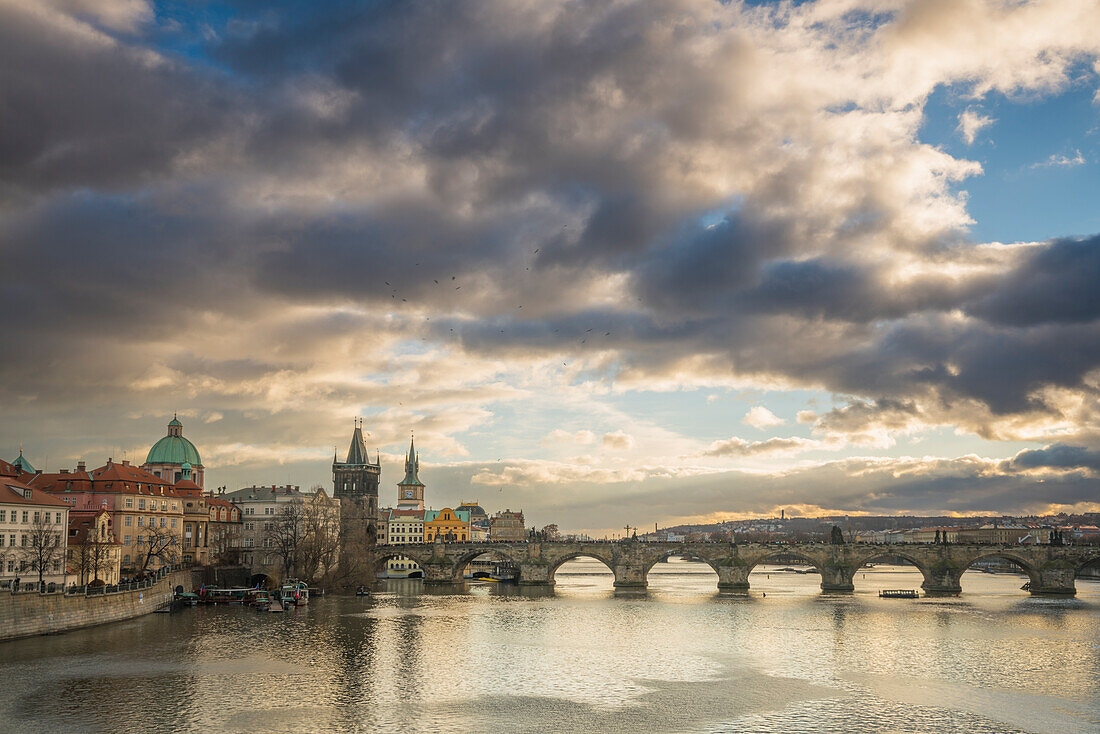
(174, 448)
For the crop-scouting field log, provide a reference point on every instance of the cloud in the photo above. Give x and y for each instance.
(618, 441)
(430, 214)
(760, 417)
(582, 436)
(736, 446)
(1057, 456)
(972, 122)
(1058, 160)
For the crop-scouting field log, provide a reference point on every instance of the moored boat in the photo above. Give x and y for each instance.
(294, 593)
(261, 599)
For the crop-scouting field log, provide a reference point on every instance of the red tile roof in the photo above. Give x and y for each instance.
(14, 492)
(59, 482)
(185, 487)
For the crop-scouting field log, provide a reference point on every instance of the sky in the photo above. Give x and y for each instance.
(612, 262)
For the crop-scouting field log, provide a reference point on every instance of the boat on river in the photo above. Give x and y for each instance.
(217, 595)
(899, 594)
(294, 593)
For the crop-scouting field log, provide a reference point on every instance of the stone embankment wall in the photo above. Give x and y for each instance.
(29, 613)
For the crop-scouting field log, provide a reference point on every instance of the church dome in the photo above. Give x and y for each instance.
(174, 448)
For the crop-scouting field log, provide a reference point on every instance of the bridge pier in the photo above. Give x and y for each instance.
(837, 578)
(942, 578)
(732, 577)
(437, 573)
(1055, 580)
(629, 576)
(534, 572)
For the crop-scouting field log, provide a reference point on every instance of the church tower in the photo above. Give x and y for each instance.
(355, 484)
(410, 490)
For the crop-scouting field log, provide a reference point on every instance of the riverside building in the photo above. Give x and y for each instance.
(30, 519)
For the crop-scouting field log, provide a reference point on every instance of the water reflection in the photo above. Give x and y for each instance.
(580, 657)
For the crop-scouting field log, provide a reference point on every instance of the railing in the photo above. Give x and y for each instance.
(155, 578)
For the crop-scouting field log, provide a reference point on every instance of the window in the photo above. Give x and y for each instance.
(57, 519)
(249, 542)
(126, 560)
(141, 521)
(129, 520)
(1, 541)
(268, 525)
(129, 501)
(140, 539)
(141, 503)
(23, 540)
(11, 540)
(173, 522)
(126, 539)
(267, 511)
(25, 516)
(164, 506)
(3, 515)
(164, 522)
(57, 566)
(11, 566)
(250, 526)
(267, 542)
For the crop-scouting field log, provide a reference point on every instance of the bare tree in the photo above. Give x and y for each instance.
(320, 545)
(45, 545)
(286, 534)
(158, 543)
(550, 532)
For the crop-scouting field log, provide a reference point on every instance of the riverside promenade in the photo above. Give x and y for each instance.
(30, 613)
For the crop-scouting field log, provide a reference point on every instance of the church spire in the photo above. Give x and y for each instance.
(412, 465)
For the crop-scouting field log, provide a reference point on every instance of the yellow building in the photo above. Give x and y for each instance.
(447, 524)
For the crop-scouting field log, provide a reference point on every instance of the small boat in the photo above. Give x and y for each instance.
(260, 599)
(187, 598)
(899, 594)
(294, 593)
(215, 595)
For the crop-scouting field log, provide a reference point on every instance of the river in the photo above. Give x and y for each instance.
(678, 658)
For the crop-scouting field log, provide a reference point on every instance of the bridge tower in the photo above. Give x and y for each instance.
(355, 484)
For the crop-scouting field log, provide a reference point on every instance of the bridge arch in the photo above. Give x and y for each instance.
(651, 563)
(261, 581)
(1006, 554)
(382, 554)
(765, 557)
(1090, 559)
(464, 559)
(556, 563)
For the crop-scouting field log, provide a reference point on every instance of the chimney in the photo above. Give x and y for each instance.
(80, 466)
(64, 471)
(126, 462)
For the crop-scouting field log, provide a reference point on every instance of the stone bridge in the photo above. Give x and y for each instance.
(1051, 569)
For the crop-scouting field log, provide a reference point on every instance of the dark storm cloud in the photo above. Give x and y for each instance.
(79, 109)
(1059, 283)
(1057, 456)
